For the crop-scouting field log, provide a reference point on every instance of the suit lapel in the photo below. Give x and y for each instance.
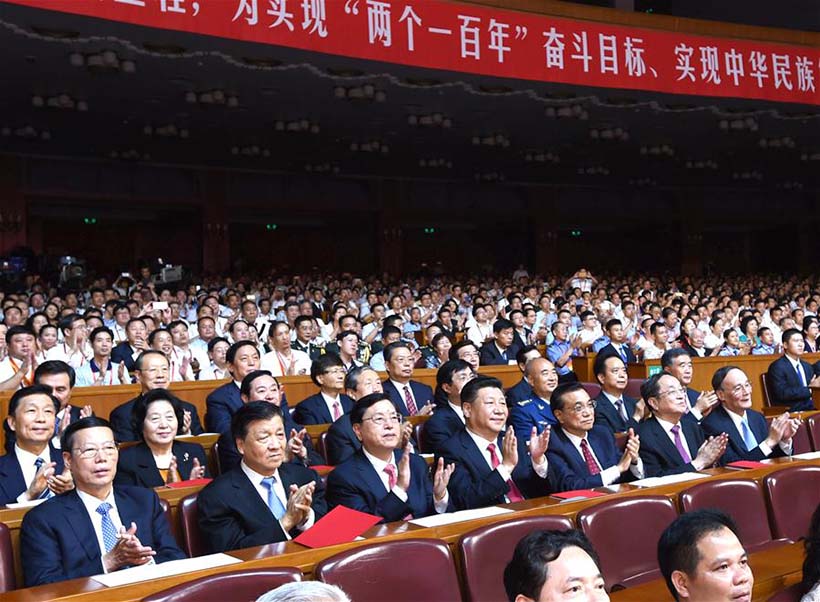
(246, 490)
(369, 475)
(323, 408)
(665, 445)
(727, 426)
(184, 460)
(396, 396)
(76, 517)
(473, 454)
(11, 475)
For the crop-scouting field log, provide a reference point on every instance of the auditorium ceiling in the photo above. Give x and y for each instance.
(93, 90)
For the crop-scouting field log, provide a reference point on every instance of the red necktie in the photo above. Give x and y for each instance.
(392, 479)
(514, 495)
(337, 411)
(592, 465)
(408, 399)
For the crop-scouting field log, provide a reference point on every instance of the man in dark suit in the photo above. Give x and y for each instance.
(96, 527)
(582, 454)
(750, 438)
(672, 441)
(493, 467)
(678, 363)
(618, 344)
(535, 411)
(341, 441)
(304, 337)
(382, 479)
(242, 358)
(522, 389)
(791, 380)
(153, 372)
(136, 342)
(501, 349)
(410, 397)
(329, 404)
(33, 469)
(264, 499)
(448, 418)
(614, 409)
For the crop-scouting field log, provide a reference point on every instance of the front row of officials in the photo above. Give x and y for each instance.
(100, 524)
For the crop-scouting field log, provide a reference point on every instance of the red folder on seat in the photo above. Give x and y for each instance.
(340, 525)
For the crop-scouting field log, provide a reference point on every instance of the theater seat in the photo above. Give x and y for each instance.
(408, 570)
(813, 427)
(238, 586)
(633, 387)
(592, 389)
(192, 542)
(801, 442)
(418, 435)
(216, 464)
(792, 494)
(321, 445)
(8, 581)
(743, 500)
(486, 551)
(628, 560)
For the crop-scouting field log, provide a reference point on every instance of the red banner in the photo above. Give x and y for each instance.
(440, 34)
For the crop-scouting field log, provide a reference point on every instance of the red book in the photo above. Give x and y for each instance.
(581, 493)
(340, 525)
(746, 464)
(190, 483)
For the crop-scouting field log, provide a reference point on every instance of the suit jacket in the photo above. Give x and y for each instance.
(607, 415)
(475, 485)
(122, 352)
(718, 421)
(611, 350)
(221, 404)
(569, 466)
(136, 465)
(422, 393)
(518, 392)
(122, 425)
(11, 475)
(341, 442)
(58, 541)
(442, 425)
(786, 388)
(660, 456)
(232, 514)
(11, 436)
(356, 484)
(692, 352)
(314, 410)
(490, 356)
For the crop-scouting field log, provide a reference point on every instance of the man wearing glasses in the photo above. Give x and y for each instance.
(329, 404)
(381, 478)
(583, 454)
(96, 528)
(672, 441)
(750, 438)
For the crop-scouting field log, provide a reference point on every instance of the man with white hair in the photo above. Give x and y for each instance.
(305, 591)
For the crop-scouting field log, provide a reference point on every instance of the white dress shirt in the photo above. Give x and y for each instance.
(279, 490)
(379, 466)
(610, 474)
(331, 401)
(27, 466)
(91, 504)
(764, 447)
(458, 411)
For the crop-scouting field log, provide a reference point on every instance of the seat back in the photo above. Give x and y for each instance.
(216, 463)
(801, 442)
(241, 586)
(8, 581)
(592, 389)
(742, 499)
(627, 561)
(813, 427)
(418, 435)
(633, 387)
(764, 381)
(487, 550)
(192, 541)
(321, 445)
(792, 494)
(407, 570)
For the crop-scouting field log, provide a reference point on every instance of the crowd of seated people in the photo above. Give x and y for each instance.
(491, 446)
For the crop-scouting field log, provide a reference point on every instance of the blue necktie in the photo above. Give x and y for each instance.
(623, 355)
(800, 374)
(274, 503)
(748, 437)
(109, 532)
(47, 493)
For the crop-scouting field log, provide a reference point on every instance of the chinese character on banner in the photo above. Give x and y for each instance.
(710, 66)
(140, 3)
(554, 49)
(633, 57)
(757, 67)
(470, 37)
(734, 65)
(176, 6)
(805, 75)
(249, 9)
(279, 10)
(412, 18)
(378, 23)
(314, 16)
(608, 46)
(582, 49)
(781, 69)
(498, 35)
(684, 55)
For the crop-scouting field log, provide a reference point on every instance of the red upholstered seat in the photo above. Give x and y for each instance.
(592, 389)
(633, 387)
(7, 579)
(418, 433)
(408, 570)
(801, 442)
(237, 586)
(813, 427)
(321, 447)
(792, 494)
(192, 542)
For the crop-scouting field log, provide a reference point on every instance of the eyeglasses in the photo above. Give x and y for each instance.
(674, 391)
(580, 408)
(382, 419)
(335, 371)
(88, 453)
(738, 389)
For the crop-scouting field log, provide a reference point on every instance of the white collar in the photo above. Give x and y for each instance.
(378, 464)
(254, 476)
(92, 502)
(26, 458)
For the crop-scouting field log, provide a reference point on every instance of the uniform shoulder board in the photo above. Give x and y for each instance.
(524, 402)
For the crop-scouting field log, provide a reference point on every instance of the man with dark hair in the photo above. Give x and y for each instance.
(750, 438)
(448, 417)
(136, 342)
(97, 527)
(535, 410)
(582, 454)
(329, 404)
(522, 389)
(381, 478)
(304, 341)
(242, 358)
(264, 499)
(678, 363)
(282, 359)
(659, 341)
(672, 441)
(792, 379)
(17, 368)
(390, 334)
(501, 349)
(617, 342)
(702, 559)
(468, 351)
(547, 565)
(491, 467)
(61, 378)
(409, 396)
(561, 351)
(74, 350)
(32, 468)
(614, 409)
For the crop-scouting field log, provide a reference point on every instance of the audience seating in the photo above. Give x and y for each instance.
(321, 445)
(813, 427)
(627, 560)
(246, 585)
(486, 551)
(764, 381)
(379, 572)
(8, 581)
(801, 442)
(592, 389)
(790, 594)
(743, 500)
(192, 542)
(633, 387)
(418, 435)
(793, 494)
(216, 463)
